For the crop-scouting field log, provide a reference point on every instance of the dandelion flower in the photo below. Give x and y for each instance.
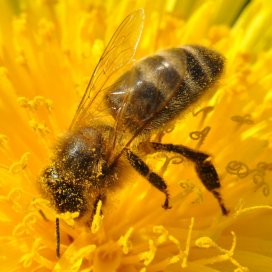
(48, 51)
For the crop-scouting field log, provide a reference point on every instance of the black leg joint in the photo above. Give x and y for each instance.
(152, 177)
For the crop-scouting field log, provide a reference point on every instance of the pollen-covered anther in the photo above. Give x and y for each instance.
(182, 253)
(21, 165)
(124, 241)
(42, 205)
(163, 232)
(27, 226)
(29, 258)
(23, 102)
(240, 209)
(39, 101)
(15, 198)
(69, 217)
(163, 238)
(35, 103)
(97, 219)
(204, 242)
(39, 127)
(226, 255)
(148, 256)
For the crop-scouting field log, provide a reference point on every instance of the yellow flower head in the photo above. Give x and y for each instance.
(48, 50)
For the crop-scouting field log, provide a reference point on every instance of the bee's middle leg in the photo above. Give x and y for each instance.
(141, 167)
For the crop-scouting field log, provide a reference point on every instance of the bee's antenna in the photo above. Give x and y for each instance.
(57, 237)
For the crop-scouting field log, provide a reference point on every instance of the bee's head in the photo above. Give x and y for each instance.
(63, 191)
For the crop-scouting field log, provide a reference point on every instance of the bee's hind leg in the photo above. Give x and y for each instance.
(203, 165)
(142, 168)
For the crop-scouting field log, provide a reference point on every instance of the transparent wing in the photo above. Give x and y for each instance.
(118, 53)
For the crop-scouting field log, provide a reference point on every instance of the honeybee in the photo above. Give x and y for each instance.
(113, 121)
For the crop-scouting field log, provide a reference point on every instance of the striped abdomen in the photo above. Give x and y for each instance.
(157, 88)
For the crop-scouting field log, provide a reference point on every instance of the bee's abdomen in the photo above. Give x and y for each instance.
(161, 86)
(204, 66)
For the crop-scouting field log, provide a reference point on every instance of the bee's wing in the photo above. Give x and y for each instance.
(118, 53)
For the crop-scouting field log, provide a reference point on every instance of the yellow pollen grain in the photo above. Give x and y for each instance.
(124, 241)
(97, 219)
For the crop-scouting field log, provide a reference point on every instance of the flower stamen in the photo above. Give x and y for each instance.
(18, 167)
(207, 242)
(97, 219)
(124, 241)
